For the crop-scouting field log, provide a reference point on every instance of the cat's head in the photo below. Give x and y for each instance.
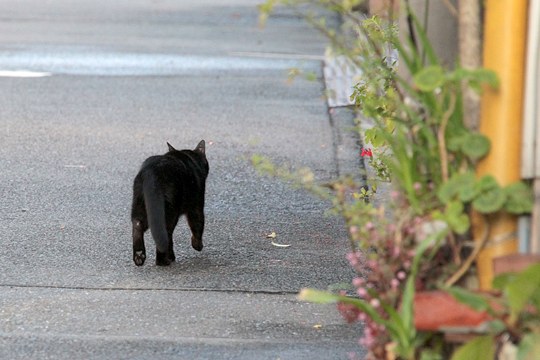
(200, 147)
(200, 150)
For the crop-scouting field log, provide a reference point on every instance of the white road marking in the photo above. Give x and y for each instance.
(74, 61)
(23, 73)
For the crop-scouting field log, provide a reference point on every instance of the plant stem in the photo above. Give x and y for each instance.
(468, 262)
(441, 137)
(455, 248)
(410, 25)
(374, 47)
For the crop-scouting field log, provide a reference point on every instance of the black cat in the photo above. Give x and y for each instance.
(166, 187)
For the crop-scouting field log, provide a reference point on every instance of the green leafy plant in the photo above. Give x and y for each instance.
(515, 312)
(485, 195)
(421, 145)
(386, 321)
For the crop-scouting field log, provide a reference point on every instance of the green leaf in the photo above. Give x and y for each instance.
(491, 196)
(490, 201)
(325, 297)
(479, 348)
(455, 143)
(467, 193)
(425, 43)
(456, 219)
(407, 307)
(535, 300)
(375, 136)
(430, 354)
(429, 78)
(461, 224)
(469, 298)
(446, 192)
(475, 146)
(397, 328)
(520, 198)
(484, 76)
(496, 326)
(486, 183)
(458, 184)
(520, 291)
(466, 188)
(529, 347)
(318, 296)
(502, 280)
(476, 77)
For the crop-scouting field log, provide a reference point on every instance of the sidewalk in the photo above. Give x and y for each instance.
(73, 141)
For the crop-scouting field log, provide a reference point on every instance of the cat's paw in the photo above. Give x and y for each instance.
(163, 262)
(197, 244)
(162, 259)
(139, 257)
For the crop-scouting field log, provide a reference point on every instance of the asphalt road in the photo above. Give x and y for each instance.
(115, 81)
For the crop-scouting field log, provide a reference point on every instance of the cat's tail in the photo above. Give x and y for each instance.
(154, 201)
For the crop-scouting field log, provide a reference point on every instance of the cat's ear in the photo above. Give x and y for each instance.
(200, 147)
(171, 147)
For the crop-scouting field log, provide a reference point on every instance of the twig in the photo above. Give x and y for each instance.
(440, 136)
(455, 248)
(410, 26)
(370, 42)
(479, 245)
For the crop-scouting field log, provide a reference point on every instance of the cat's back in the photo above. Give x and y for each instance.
(156, 162)
(175, 166)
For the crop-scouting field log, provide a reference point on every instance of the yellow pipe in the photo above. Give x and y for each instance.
(501, 118)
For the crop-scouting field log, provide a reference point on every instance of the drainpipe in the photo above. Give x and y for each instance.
(501, 120)
(530, 165)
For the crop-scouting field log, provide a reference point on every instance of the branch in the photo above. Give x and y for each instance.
(440, 136)
(479, 245)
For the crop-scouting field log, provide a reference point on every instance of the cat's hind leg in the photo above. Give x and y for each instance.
(139, 251)
(195, 220)
(172, 220)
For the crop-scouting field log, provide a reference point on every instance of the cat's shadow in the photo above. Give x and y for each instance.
(195, 263)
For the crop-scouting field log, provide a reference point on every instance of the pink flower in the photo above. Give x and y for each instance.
(401, 275)
(368, 339)
(353, 229)
(369, 226)
(362, 292)
(372, 264)
(417, 186)
(394, 283)
(375, 303)
(353, 258)
(357, 282)
(348, 311)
